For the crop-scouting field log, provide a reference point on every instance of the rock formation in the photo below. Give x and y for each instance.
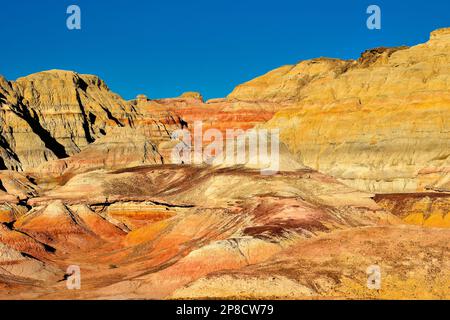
(55, 114)
(380, 123)
(220, 114)
(86, 179)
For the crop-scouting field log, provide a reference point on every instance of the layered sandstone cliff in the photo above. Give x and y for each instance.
(56, 114)
(98, 190)
(381, 123)
(221, 114)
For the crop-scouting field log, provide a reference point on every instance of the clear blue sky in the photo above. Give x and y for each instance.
(163, 48)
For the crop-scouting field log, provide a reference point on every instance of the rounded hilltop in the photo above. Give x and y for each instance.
(192, 95)
(141, 98)
(439, 33)
(64, 75)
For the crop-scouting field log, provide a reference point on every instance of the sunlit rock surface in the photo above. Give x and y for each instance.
(86, 180)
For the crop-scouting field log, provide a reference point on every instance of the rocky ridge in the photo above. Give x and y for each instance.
(91, 185)
(56, 114)
(379, 124)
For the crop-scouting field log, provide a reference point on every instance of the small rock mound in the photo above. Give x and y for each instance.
(192, 95)
(381, 54)
(440, 33)
(58, 226)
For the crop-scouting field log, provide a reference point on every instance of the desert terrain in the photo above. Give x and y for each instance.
(88, 179)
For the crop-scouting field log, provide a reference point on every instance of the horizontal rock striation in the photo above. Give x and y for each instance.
(55, 114)
(380, 123)
(98, 190)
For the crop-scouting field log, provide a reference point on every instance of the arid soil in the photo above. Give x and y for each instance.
(87, 180)
(167, 231)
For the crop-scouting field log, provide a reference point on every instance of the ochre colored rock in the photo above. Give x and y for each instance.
(99, 192)
(121, 148)
(16, 185)
(221, 114)
(58, 226)
(55, 114)
(18, 268)
(335, 266)
(423, 209)
(163, 231)
(378, 124)
(192, 95)
(287, 83)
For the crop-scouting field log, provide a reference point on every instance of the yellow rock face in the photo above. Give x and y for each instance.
(380, 124)
(427, 210)
(287, 82)
(192, 95)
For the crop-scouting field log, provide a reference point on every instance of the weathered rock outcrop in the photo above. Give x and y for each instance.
(23, 270)
(162, 224)
(423, 209)
(221, 114)
(98, 190)
(287, 83)
(123, 147)
(379, 124)
(55, 114)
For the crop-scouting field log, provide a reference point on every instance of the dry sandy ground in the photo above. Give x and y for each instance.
(164, 232)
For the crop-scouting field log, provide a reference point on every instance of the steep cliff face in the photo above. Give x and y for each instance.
(380, 124)
(55, 114)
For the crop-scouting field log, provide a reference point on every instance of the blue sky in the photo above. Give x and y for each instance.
(163, 48)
